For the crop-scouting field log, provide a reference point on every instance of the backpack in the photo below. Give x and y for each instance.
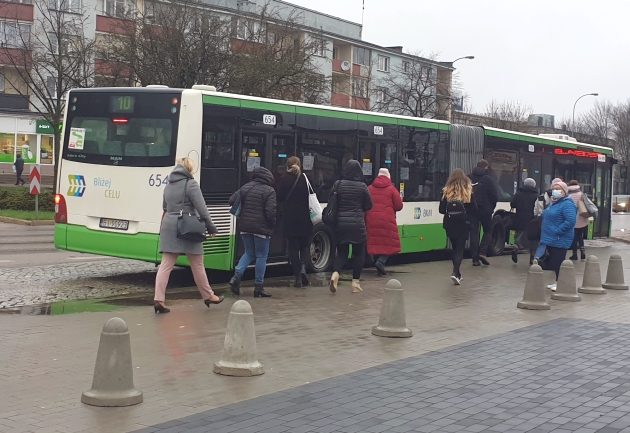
(456, 213)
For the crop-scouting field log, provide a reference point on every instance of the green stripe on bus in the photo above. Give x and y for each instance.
(423, 124)
(533, 140)
(377, 119)
(218, 100)
(415, 238)
(267, 106)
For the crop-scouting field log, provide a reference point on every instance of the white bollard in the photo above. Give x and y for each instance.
(614, 276)
(112, 385)
(566, 289)
(534, 294)
(392, 322)
(592, 281)
(239, 350)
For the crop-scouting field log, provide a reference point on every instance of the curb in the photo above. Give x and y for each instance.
(624, 240)
(26, 222)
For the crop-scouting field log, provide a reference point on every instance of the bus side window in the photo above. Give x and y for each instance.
(111, 148)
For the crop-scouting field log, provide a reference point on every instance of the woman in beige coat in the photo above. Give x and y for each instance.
(581, 221)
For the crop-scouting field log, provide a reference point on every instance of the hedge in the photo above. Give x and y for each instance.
(18, 198)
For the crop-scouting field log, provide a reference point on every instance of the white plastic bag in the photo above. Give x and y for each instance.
(314, 208)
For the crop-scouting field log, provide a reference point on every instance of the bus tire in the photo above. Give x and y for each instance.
(496, 244)
(322, 248)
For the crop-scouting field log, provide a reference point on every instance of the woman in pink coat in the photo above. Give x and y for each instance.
(382, 231)
(581, 222)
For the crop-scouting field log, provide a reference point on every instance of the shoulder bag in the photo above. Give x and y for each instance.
(329, 215)
(581, 208)
(590, 206)
(189, 226)
(314, 208)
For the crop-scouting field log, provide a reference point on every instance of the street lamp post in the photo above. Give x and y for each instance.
(465, 57)
(448, 91)
(574, 104)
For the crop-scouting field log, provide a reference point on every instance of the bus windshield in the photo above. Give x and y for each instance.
(122, 129)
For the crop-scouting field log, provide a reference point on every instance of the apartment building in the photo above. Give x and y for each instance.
(359, 73)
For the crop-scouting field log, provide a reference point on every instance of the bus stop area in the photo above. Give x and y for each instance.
(474, 363)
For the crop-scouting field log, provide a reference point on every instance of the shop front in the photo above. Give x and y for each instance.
(28, 136)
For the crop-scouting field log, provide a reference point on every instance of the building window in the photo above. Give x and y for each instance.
(381, 92)
(318, 46)
(115, 8)
(360, 87)
(248, 29)
(1, 83)
(51, 86)
(15, 35)
(383, 63)
(65, 5)
(361, 56)
(406, 66)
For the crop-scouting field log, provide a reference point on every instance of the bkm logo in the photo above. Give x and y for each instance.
(77, 185)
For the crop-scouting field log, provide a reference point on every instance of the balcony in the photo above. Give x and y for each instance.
(340, 100)
(359, 103)
(16, 11)
(13, 102)
(336, 66)
(118, 26)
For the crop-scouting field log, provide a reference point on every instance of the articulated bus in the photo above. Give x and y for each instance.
(120, 144)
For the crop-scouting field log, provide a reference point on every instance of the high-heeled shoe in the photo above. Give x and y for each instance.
(159, 308)
(209, 301)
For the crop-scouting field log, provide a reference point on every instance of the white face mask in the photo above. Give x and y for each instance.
(556, 194)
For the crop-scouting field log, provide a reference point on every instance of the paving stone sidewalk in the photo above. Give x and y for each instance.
(566, 375)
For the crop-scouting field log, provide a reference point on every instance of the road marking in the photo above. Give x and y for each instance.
(7, 261)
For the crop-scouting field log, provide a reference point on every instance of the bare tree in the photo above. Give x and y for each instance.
(598, 121)
(507, 114)
(50, 58)
(410, 89)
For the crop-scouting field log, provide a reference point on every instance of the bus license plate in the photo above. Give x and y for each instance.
(108, 223)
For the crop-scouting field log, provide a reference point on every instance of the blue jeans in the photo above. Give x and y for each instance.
(256, 248)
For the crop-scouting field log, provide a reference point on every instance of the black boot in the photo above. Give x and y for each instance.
(573, 256)
(305, 281)
(515, 255)
(582, 254)
(297, 283)
(235, 284)
(259, 292)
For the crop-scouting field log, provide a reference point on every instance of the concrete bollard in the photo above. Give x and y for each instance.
(566, 289)
(391, 322)
(614, 275)
(592, 281)
(534, 294)
(239, 350)
(112, 385)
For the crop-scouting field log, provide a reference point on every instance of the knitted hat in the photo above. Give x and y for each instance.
(562, 185)
(384, 172)
(529, 182)
(556, 180)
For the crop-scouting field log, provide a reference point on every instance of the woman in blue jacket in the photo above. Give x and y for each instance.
(558, 221)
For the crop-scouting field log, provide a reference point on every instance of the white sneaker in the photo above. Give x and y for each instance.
(456, 280)
(552, 287)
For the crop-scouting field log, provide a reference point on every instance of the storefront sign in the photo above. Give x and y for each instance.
(578, 153)
(43, 127)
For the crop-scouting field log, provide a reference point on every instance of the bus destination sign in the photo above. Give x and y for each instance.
(580, 154)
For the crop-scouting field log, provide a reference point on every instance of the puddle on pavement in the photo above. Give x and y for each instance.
(62, 307)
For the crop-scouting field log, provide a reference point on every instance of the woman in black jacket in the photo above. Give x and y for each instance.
(293, 193)
(256, 222)
(353, 200)
(524, 201)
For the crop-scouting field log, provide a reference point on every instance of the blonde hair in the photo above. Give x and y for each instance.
(187, 163)
(458, 187)
(293, 165)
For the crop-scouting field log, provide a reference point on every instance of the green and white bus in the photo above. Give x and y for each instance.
(120, 144)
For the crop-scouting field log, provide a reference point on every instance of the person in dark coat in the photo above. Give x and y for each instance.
(382, 231)
(458, 209)
(19, 169)
(523, 201)
(485, 196)
(293, 194)
(353, 200)
(256, 222)
(182, 194)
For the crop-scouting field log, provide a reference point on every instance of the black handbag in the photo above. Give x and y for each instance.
(189, 226)
(329, 215)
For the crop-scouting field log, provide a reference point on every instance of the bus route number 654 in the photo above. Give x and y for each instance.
(158, 180)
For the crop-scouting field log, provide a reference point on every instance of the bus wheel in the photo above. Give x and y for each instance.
(322, 249)
(497, 238)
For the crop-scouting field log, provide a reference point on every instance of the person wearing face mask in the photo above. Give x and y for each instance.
(558, 221)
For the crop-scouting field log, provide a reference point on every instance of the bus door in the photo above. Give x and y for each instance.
(374, 155)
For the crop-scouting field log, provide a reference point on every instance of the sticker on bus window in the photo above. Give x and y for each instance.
(601, 157)
(404, 173)
(308, 162)
(367, 169)
(77, 138)
(252, 163)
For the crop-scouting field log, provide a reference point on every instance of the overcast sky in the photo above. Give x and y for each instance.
(544, 53)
